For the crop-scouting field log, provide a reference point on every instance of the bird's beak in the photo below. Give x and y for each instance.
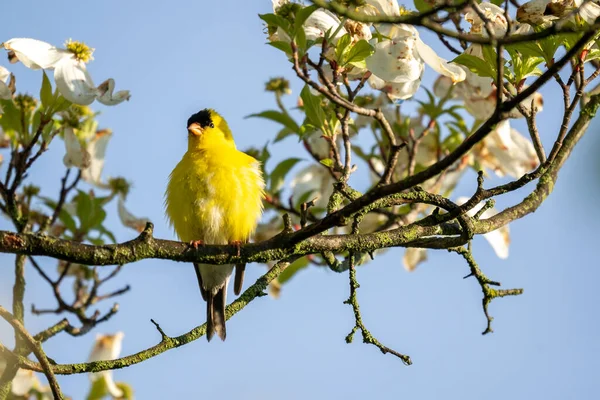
(195, 129)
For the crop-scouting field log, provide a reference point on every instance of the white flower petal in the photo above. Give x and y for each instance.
(128, 219)
(321, 21)
(5, 92)
(385, 7)
(396, 61)
(97, 149)
(493, 13)
(589, 11)
(511, 152)
(358, 30)
(441, 66)
(107, 347)
(315, 179)
(403, 90)
(4, 74)
(24, 381)
(36, 54)
(534, 12)
(74, 82)
(76, 155)
(111, 386)
(106, 96)
(375, 82)
(413, 257)
(442, 86)
(319, 146)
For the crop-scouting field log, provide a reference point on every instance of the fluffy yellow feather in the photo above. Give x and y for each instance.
(214, 196)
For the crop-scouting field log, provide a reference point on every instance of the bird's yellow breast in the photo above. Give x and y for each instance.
(215, 195)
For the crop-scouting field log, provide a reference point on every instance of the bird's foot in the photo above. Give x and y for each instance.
(196, 243)
(238, 245)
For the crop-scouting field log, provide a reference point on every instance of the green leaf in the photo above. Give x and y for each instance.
(328, 162)
(453, 140)
(341, 47)
(476, 65)
(523, 66)
(126, 389)
(63, 216)
(36, 120)
(278, 175)
(98, 390)
(279, 117)
(312, 107)
(276, 21)
(10, 119)
(89, 211)
(46, 95)
(358, 54)
(291, 270)
(282, 134)
(286, 47)
(84, 207)
(300, 39)
(97, 218)
(60, 103)
(422, 5)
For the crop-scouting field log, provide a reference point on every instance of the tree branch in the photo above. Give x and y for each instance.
(36, 348)
(167, 342)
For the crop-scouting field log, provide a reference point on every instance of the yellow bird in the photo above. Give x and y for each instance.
(214, 196)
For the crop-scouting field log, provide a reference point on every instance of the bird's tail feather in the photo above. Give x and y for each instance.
(215, 313)
(239, 278)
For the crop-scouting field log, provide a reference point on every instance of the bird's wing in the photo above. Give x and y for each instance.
(199, 276)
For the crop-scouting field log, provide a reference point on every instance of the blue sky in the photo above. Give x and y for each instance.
(181, 56)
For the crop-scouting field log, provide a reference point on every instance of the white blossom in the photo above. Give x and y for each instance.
(495, 16)
(316, 25)
(413, 257)
(545, 12)
(128, 219)
(507, 152)
(76, 155)
(107, 347)
(314, 179)
(96, 149)
(5, 92)
(321, 21)
(398, 62)
(70, 73)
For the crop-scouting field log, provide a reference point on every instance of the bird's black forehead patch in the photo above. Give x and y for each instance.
(202, 118)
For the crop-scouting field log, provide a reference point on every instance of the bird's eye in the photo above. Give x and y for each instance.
(212, 125)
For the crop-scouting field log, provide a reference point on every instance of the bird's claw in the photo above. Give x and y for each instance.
(238, 245)
(196, 243)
